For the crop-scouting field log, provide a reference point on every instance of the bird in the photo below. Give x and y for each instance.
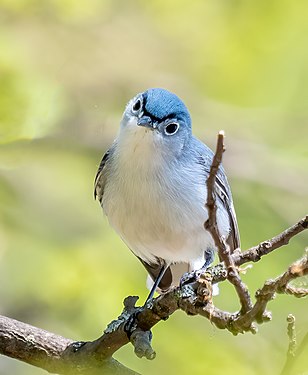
(151, 185)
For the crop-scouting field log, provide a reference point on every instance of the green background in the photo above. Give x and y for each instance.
(67, 69)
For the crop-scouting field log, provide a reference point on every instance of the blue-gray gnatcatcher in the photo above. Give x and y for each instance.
(151, 184)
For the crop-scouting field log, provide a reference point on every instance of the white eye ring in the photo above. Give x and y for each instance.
(171, 128)
(137, 106)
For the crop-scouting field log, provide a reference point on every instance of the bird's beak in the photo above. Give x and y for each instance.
(146, 122)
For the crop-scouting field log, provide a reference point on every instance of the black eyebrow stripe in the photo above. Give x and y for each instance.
(144, 100)
(153, 117)
(170, 116)
(147, 113)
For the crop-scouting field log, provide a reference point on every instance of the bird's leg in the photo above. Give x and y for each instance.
(190, 277)
(156, 282)
(131, 323)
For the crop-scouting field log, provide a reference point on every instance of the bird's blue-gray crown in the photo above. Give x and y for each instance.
(159, 109)
(161, 104)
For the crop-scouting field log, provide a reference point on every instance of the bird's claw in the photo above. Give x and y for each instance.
(77, 345)
(190, 277)
(131, 324)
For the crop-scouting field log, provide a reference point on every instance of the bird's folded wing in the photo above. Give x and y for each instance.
(100, 178)
(223, 193)
(233, 239)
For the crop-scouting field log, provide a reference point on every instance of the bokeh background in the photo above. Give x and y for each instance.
(67, 69)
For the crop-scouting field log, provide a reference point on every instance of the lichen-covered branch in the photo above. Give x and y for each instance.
(255, 253)
(52, 352)
(59, 355)
(267, 293)
(194, 299)
(63, 356)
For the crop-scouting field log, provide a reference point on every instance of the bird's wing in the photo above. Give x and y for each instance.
(223, 193)
(100, 178)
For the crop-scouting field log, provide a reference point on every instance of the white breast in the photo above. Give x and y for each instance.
(157, 207)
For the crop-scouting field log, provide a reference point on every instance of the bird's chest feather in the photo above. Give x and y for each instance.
(151, 199)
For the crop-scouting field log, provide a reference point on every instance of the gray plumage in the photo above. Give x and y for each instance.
(151, 185)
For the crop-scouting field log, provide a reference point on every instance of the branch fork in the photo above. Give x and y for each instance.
(63, 356)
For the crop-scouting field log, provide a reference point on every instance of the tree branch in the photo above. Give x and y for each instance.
(57, 354)
(291, 336)
(220, 242)
(52, 352)
(293, 351)
(255, 253)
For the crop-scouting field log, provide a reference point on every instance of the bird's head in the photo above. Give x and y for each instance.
(159, 117)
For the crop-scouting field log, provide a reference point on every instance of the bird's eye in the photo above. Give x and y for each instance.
(137, 105)
(171, 128)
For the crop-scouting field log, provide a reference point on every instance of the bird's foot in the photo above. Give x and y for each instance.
(191, 277)
(131, 323)
(78, 345)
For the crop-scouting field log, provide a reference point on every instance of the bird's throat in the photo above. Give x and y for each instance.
(138, 147)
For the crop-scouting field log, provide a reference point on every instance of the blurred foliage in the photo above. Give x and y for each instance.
(67, 69)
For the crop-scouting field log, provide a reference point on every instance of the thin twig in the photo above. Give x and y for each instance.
(211, 225)
(63, 356)
(296, 292)
(60, 355)
(267, 292)
(255, 253)
(291, 347)
(292, 335)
